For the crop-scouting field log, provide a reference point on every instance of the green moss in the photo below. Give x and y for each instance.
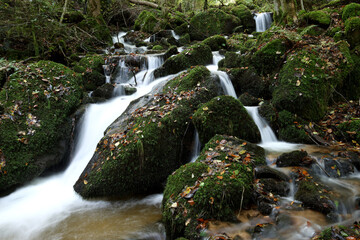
(158, 48)
(185, 39)
(246, 17)
(182, 29)
(351, 10)
(215, 42)
(212, 22)
(146, 22)
(350, 130)
(198, 54)
(319, 17)
(352, 31)
(270, 57)
(312, 30)
(225, 115)
(92, 62)
(37, 102)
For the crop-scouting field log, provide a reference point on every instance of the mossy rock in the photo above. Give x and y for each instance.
(351, 10)
(208, 192)
(313, 196)
(352, 31)
(92, 63)
(147, 142)
(350, 130)
(147, 22)
(350, 88)
(198, 54)
(158, 48)
(318, 17)
(312, 30)
(270, 57)
(182, 29)
(225, 115)
(244, 14)
(91, 69)
(216, 42)
(306, 81)
(35, 126)
(212, 22)
(288, 131)
(233, 60)
(185, 39)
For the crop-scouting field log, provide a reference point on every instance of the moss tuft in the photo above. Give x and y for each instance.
(351, 10)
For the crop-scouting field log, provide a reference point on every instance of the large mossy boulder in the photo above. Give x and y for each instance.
(308, 78)
(216, 42)
(147, 22)
(244, 14)
(351, 10)
(319, 17)
(270, 57)
(92, 71)
(225, 115)
(212, 22)
(352, 31)
(218, 184)
(35, 124)
(147, 142)
(197, 54)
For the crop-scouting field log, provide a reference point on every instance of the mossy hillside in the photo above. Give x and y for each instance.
(309, 77)
(216, 42)
(212, 22)
(219, 183)
(352, 31)
(351, 10)
(270, 57)
(197, 54)
(350, 130)
(319, 17)
(312, 30)
(37, 100)
(244, 14)
(137, 156)
(225, 115)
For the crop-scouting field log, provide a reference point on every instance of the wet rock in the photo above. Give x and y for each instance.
(129, 89)
(217, 192)
(104, 91)
(225, 115)
(171, 51)
(295, 158)
(315, 196)
(118, 45)
(265, 208)
(338, 167)
(275, 186)
(92, 80)
(248, 100)
(268, 172)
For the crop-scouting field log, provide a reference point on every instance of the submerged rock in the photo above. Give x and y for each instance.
(148, 141)
(214, 187)
(225, 115)
(35, 124)
(295, 158)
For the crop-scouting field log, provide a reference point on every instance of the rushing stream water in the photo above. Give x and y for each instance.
(48, 207)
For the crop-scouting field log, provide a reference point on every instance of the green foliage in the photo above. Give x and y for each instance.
(225, 115)
(351, 10)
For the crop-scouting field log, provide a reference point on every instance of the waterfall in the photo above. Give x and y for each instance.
(196, 147)
(263, 21)
(177, 37)
(267, 134)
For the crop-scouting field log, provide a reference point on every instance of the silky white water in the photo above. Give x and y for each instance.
(263, 21)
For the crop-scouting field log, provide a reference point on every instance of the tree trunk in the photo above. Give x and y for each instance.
(205, 5)
(302, 4)
(94, 9)
(145, 3)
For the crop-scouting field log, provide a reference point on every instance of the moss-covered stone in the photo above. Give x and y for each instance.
(157, 48)
(144, 145)
(212, 22)
(307, 80)
(350, 130)
(182, 29)
(91, 68)
(185, 39)
(352, 31)
(350, 87)
(312, 30)
(244, 14)
(216, 42)
(225, 115)
(198, 54)
(270, 57)
(35, 126)
(289, 131)
(147, 22)
(351, 10)
(210, 187)
(318, 17)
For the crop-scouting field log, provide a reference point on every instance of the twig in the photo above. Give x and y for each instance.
(317, 162)
(241, 202)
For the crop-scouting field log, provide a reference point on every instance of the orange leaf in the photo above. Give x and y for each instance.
(220, 177)
(191, 202)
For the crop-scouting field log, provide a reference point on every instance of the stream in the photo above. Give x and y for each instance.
(49, 208)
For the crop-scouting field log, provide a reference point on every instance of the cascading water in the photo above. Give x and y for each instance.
(196, 147)
(263, 21)
(32, 211)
